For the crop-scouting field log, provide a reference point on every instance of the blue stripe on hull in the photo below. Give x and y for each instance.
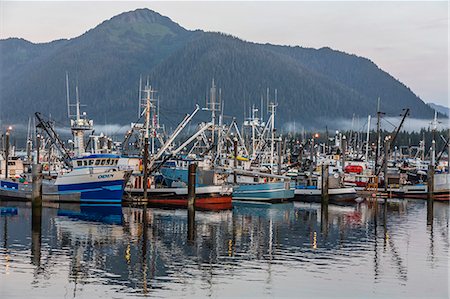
(103, 191)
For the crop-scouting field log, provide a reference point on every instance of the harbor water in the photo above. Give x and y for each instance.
(370, 249)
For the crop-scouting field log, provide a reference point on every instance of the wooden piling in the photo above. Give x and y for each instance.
(191, 183)
(36, 194)
(38, 148)
(279, 157)
(145, 167)
(325, 183)
(6, 154)
(387, 145)
(325, 199)
(191, 202)
(430, 195)
(430, 182)
(36, 213)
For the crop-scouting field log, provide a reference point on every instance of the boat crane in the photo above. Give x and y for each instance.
(54, 138)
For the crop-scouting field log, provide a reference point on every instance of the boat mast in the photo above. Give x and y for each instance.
(213, 109)
(140, 96)
(272, 106)
(78, 124)
(377, 152)
(368, 138)
(433, 141)
(67, 95)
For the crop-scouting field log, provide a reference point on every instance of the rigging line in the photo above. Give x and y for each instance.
(384, 119)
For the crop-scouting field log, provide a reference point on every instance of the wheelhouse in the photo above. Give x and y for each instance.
(104, 160)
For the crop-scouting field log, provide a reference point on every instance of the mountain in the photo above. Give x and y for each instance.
(314, 86)
(440, 109)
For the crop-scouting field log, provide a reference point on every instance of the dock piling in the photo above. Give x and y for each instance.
(430, 195)
(191, 202)
(191, 183)
(7, 153)
(325, 183)
(36, 194)
(387, 145)
(145, 167)
(279, 156)
(36, 213)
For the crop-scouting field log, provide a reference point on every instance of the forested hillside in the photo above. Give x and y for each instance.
(314, 86)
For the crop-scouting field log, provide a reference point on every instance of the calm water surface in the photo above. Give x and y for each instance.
(365, 250)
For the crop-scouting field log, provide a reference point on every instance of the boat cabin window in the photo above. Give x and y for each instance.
(103, 162)
(11, 163)
(91, 162)
(97, 162)
(85, 162)
(79, 163)
(116, 161)
(108, 162)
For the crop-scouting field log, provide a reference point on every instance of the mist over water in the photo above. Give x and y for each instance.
(360, 124)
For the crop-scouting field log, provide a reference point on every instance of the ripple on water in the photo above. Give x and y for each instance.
(260, 252)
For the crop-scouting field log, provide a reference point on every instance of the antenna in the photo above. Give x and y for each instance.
(244, 109)
(157, 113)
(78, 101)
(29, 129)
(140, 96)
(67, 94)
(262, 106)
(221, 105)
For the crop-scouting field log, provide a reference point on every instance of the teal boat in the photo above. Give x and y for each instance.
(264, 192)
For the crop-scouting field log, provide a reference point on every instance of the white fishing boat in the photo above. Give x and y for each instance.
(96, 177)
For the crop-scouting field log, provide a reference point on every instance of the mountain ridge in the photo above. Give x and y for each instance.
(314, 85)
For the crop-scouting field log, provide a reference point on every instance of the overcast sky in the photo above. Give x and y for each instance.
(407, 39)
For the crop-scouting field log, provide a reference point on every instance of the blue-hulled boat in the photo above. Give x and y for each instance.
(266, 192)
(96, 177)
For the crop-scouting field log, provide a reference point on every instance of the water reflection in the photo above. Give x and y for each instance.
(257, 250)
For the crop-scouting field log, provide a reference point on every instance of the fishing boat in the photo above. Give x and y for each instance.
(166, 180)
(96, 177)
(441, 191)
(314, 194)
(308, 189)
(262, 187)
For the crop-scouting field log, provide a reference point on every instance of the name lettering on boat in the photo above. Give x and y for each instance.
(105, 176)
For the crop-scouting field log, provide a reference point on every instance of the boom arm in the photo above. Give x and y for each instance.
(47, 127)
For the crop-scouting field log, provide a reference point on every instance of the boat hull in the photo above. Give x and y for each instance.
(215, 203)
(266, 192)
(420, 191)
(10, 190)
(105, 187)
(206, 197)
(437, 195)
(335, 195)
